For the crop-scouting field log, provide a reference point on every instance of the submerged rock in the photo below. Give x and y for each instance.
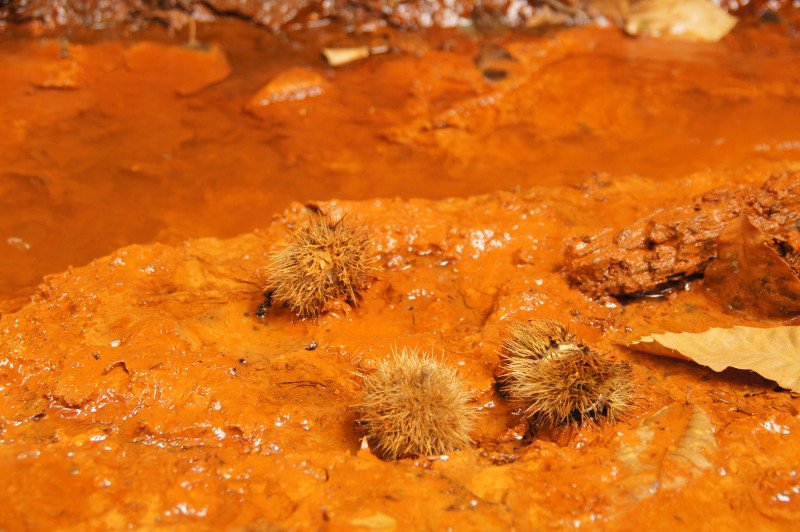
(188, 69)
(292, 85)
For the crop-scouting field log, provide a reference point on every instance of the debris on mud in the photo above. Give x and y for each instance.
(558, 380)
(665, 452)
(773, 353)
(343, 56)
(749, 274)
(674, 244)
(416, 405)
(326, 263)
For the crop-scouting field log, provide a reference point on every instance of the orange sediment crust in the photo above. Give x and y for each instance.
(110, 142)
(141, 389)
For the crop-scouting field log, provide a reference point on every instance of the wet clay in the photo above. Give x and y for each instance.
(141, 387)
(108, 142)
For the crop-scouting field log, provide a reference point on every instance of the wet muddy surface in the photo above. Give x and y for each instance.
(115, 142)
(140, 388)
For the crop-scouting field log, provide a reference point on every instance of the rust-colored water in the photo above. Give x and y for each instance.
(121, 158)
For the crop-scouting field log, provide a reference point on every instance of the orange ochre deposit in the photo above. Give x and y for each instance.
(141, 390)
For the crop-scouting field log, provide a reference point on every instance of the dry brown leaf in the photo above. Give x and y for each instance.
(685, 19)
(773, 353)
(749, 275)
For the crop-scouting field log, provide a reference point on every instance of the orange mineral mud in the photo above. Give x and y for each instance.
(110, 142)
(143, 388)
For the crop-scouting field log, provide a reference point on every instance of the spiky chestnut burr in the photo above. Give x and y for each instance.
(320, 263)
(415, 405)
(558, 380)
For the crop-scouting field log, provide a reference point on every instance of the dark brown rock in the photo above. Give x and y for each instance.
(675, 243)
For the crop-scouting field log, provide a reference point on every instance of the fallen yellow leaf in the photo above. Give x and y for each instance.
(773, 353)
